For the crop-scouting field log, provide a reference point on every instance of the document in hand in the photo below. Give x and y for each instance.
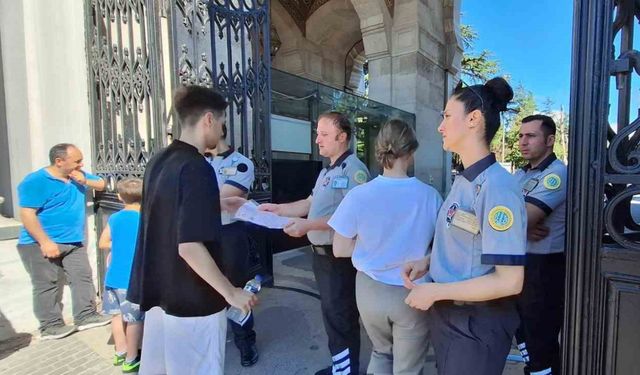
(249, 212)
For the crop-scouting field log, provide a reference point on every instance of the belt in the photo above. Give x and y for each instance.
(495, 302)
(326, 250)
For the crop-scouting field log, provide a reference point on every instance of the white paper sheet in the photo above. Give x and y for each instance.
(249, 212)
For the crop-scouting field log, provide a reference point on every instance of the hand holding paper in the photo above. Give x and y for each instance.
(249, 212)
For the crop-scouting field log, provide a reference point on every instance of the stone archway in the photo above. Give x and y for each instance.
(414, 55)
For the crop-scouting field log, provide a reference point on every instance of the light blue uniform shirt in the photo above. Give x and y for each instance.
(332, 185)
(235, 169)
(60, 206)
(492, 195)
(545, 187)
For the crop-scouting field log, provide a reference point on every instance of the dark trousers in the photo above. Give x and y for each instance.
(336, 280)
(541, 308)
(44, 274)
(235, 263)
(472, 339)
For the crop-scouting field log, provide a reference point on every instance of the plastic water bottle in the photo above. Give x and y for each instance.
(234, 313)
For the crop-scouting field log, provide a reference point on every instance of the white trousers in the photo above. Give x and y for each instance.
(191, 346)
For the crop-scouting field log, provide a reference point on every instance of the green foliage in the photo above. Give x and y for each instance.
(505, 143)
(476, 66)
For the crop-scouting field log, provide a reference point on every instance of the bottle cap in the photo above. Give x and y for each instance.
(259, 278)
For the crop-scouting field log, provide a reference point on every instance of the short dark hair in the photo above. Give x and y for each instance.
(192, 102)
(491, 99)
(340, 120)
(548, 126)
(59, 151)
(130, 190)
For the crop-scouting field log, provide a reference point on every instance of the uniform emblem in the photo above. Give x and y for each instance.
(451, 212)
(326, 181)
(360, 177)
(552, 181)
(500, 218)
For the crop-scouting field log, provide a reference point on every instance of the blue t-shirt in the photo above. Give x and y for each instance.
(124, 235)
(60, 206)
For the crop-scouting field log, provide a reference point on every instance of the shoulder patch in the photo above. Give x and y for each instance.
(360, 177)
(552, 181)
(500, 218)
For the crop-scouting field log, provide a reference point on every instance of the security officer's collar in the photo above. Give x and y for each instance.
(543, 164)
(225, 154)
(340, 160)
(478, 167)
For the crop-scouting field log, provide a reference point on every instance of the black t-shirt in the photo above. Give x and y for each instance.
(180, 203)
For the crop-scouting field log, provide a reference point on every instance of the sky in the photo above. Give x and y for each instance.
(531, 39)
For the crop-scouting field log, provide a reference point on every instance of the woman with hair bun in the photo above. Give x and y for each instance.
(382, 225)
(479, 245)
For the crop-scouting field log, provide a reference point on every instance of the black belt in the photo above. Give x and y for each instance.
(326, 250)
(494, 302)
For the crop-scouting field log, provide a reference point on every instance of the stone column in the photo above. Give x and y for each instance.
(413, 59)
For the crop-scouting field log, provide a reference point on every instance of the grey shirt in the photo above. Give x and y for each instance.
(545, 187)
(332, 185)
(490, 196)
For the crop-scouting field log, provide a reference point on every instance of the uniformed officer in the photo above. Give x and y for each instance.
(541, 303)
(479, 245)
(235, 175)
(335, 277)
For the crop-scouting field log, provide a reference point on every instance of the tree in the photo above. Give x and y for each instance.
(505, 143)
(476, 66)
(562, 121)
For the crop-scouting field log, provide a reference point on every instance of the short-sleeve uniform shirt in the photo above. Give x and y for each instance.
(545, 187)
(235, 169)
(59, 205)
(487, 194)
(332, 185)
(180, 204)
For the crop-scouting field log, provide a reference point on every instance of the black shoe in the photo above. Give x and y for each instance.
(325, 371)
(248, 355)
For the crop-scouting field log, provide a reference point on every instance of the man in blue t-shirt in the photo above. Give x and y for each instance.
(52, 209)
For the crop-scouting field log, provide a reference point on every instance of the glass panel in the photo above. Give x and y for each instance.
(302, 99)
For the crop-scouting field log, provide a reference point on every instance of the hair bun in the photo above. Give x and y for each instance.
(502, 92)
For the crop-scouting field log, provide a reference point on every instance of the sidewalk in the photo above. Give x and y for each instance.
(291, 337)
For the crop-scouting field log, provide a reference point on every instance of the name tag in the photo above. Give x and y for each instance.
(229, 171)
(466, 221)
(530, 185)
(340, 182)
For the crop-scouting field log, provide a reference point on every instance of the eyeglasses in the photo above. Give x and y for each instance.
(462, 84)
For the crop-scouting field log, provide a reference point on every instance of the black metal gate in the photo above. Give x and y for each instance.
(139, 51)
(602, 324)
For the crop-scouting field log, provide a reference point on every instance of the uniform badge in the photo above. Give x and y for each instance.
(360, 177)
(552, 181)
(500, 218)
(530, 185)
(326, 181)
(451, 212)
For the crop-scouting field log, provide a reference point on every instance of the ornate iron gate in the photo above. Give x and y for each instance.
(602, 324)
(139, 51)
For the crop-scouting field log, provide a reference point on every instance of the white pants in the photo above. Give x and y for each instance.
(173, 345)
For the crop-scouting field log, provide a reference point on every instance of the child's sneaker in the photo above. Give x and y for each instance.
(133, 366)
(118, 358)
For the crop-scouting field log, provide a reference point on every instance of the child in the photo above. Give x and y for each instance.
(120, 236)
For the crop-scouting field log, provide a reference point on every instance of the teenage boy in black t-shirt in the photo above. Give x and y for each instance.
(175, 276)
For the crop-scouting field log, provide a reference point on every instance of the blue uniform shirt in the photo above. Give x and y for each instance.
(60, 206)
(545, 187)
(332, 185)
(487, 201)
(124, 235)
(232, 168)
